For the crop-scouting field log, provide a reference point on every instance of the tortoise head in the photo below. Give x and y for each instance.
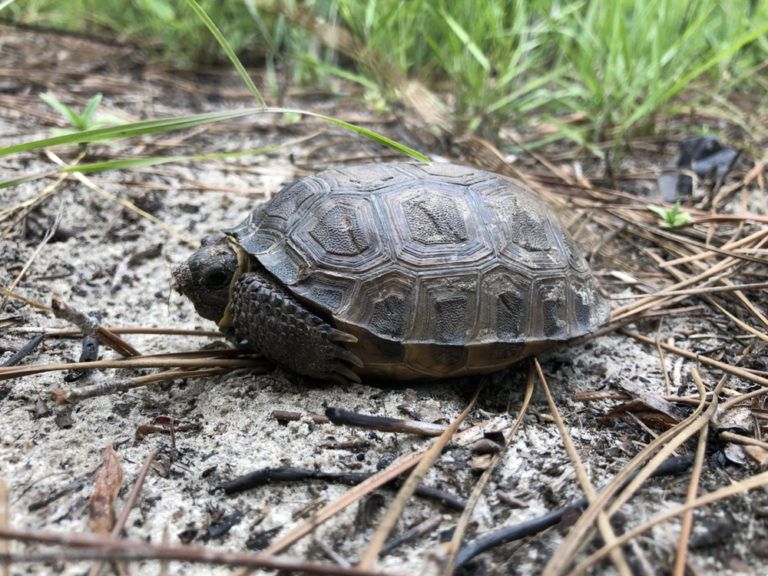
(207, 276)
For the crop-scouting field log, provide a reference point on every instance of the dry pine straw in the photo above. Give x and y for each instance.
(691, 264)
(601, 506)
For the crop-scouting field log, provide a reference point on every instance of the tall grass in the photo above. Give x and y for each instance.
(166, 29)
(490, 57)
(621, 64)
(624, 61)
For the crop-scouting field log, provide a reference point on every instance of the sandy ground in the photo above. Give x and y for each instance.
(48, 453)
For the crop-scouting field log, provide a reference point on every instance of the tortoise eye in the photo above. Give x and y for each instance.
(217, 279)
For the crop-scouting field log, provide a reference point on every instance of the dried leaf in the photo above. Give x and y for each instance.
(652, 409)
(736, 418)
(106, 484)
(735, 453)
(479, 463)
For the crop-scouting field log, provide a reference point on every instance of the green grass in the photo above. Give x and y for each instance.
(623, 64)
(166, 29)
(135, 129)
(86, 128)
(80, 121)
(625, 61)
(490, 56)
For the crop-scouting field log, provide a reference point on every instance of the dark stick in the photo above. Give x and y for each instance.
(289, 474)
(24, 351)
(509, 533)
(341, 416)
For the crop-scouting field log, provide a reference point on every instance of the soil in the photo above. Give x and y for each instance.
(104, 258)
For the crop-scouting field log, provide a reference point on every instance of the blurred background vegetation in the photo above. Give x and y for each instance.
(620, 66)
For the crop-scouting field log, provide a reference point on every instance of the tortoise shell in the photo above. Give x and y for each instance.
(438, 270)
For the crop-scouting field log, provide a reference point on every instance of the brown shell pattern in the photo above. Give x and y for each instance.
(438, 258)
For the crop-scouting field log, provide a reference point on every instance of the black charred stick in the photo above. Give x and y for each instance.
(507, 534)
(89, 353)
(290, 474)
(24, 351)
(286, 416)
(345, 417)
(427, 526)
(265, 476)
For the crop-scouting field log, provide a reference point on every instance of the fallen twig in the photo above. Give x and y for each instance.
(107, 548)
(180, 360)
(725, 492)
(5, 545)
(674, 465)
(655, 453)
(395, 510)
(477, 491)
(340, 416)
(606, 530)
(693, 486)
(90, 325)
(24, 351)
(290, 474)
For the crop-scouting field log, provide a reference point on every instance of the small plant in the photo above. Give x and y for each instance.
(671, 217)
(82, 121)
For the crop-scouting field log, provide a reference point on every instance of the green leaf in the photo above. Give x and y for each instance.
(89, 110)
(670, 217)
(62, 109)
(660, 210)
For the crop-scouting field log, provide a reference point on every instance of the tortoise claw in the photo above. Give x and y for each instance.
(339, 336)
(340, 369)
(344, 375)
(347, 356)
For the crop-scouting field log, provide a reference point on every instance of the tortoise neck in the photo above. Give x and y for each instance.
(243, 266)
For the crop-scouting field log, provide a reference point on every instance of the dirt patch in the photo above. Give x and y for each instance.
(106, 259)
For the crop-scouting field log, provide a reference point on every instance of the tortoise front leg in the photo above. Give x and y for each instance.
(277, 326)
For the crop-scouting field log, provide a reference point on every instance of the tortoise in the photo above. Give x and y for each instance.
(396, 271)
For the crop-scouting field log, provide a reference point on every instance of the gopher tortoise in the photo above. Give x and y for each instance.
(396, 271)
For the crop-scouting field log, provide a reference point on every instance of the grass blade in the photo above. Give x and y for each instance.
(90, 108)
(128, 163)
(181, 122)
(462, 35)
(370, 135)
(227, 50)
(130, 130)
(62, 109)
(10, 182)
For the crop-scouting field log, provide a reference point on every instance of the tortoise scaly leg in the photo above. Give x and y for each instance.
(280, 328)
